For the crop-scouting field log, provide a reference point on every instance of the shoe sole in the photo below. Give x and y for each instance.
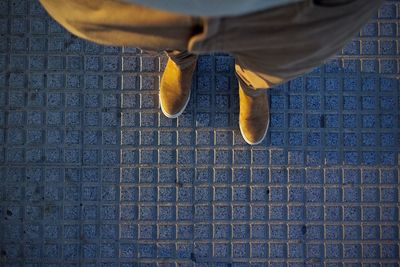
(258, 142)
(173, 116)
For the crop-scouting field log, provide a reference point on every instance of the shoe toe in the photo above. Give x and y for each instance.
(252, 133)
(172, 107)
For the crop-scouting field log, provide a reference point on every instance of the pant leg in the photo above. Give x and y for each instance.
(124, 24)
(182, 59)
(276, 45)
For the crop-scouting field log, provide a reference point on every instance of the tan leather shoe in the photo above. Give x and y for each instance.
(175, 87)
(253, 116)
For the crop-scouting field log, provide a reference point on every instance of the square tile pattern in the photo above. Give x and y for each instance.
(92, 174)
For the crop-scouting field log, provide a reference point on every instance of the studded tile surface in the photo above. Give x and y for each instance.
(91, 174)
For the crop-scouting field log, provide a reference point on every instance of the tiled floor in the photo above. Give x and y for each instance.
(93, 175)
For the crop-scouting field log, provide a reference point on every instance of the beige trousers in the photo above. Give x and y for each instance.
(270, 46)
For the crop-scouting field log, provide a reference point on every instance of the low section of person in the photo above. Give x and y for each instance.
(272, 41)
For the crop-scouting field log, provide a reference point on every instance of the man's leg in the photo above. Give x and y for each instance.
(254, 70)
(120, 23)
(275, 45)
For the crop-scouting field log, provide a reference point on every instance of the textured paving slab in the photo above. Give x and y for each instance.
(93, 175)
